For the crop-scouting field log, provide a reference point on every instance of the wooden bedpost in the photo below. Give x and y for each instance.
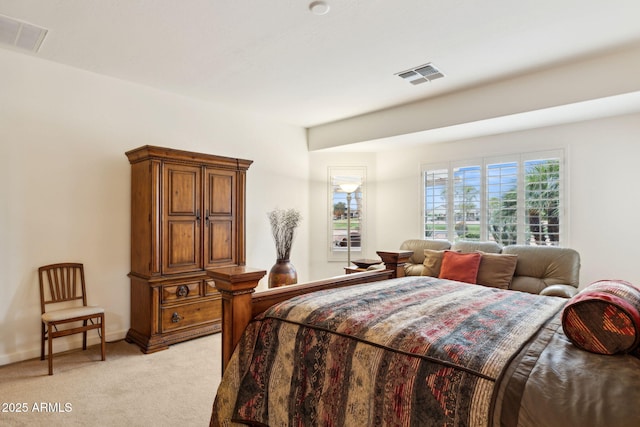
(395, 260)
(240, 302)
(235, 284)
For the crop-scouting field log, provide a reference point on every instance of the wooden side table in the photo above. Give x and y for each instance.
(395, 260)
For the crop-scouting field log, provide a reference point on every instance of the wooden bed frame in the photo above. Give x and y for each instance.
(240, 302)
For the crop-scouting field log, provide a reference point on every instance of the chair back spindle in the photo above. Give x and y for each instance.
(64, 282)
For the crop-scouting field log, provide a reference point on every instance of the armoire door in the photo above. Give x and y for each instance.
(181, 219)
(220, 233)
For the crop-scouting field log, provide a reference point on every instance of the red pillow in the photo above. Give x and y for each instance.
(604, 318)
(462, 267)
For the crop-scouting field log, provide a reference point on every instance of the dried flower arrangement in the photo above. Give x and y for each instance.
(283, 224)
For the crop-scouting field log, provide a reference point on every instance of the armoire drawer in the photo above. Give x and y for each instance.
(210, 288)
(181, 291)
(190, 314)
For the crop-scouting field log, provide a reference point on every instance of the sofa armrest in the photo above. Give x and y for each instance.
(564, 291)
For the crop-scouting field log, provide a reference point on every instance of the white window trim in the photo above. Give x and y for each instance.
(559, 153)
(355, 171)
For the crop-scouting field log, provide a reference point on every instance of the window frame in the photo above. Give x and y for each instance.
(483, 203)
(335, 253)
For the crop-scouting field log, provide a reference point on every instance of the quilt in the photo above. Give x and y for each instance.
(413, 351)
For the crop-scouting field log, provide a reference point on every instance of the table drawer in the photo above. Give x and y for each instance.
(182, 291)
(190, 314)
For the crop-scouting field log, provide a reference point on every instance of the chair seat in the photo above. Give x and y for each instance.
(70, 313)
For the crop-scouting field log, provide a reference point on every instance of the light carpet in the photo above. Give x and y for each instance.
(167, 388)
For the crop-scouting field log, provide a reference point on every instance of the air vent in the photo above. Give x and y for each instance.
(421, 74)
(21, 35)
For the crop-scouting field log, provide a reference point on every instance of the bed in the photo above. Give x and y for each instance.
(367, 349)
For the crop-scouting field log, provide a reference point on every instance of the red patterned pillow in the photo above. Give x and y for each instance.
(604, 318)
(462, 267)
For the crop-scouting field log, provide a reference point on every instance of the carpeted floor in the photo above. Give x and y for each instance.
(174, 387)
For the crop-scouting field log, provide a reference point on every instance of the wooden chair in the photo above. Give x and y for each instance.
(63, 285)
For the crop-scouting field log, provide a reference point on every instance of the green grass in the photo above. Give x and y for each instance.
(471, 228)
(341, 224)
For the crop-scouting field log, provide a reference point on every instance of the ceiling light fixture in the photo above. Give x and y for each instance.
(421, 74)
(319, 7)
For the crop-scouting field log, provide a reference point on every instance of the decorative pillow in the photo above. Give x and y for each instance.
(496, 270)
(604, 318)
(462, 267)
(432, 262)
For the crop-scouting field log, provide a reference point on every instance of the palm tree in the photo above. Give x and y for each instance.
(503, 218)
(542, 193)
(466, 209)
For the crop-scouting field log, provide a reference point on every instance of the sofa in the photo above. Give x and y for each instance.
(544, 270)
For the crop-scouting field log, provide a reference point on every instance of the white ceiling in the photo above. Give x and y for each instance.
(277, 58)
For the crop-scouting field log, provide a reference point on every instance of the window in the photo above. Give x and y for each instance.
(346, 210)
(511, 200)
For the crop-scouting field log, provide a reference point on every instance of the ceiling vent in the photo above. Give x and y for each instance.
(421, 74)
(21, 35)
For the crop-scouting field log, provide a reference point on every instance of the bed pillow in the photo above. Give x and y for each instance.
(496, 270)
(604, 318)
(432, 262)
(462, 267)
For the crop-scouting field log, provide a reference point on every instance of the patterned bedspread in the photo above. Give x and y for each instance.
(414, 351)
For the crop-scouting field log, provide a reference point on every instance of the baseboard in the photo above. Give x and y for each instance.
(60, 345)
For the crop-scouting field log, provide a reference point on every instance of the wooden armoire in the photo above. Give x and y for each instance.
(187, 216)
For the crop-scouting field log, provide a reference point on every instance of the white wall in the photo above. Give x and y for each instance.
(603, 195)
(66, 183)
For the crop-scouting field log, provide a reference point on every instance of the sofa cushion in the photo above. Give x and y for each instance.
(462, 267)
(541, 266)
(604, 318)
(432, 262)
(413, 269)
(419, 245)
(496, 270)
(473, 246)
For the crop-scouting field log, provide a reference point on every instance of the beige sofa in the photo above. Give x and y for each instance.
(545, 270)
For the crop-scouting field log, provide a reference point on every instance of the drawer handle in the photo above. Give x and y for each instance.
(182, 291)
(176, 317)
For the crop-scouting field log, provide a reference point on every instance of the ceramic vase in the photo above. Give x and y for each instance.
(282, 273)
